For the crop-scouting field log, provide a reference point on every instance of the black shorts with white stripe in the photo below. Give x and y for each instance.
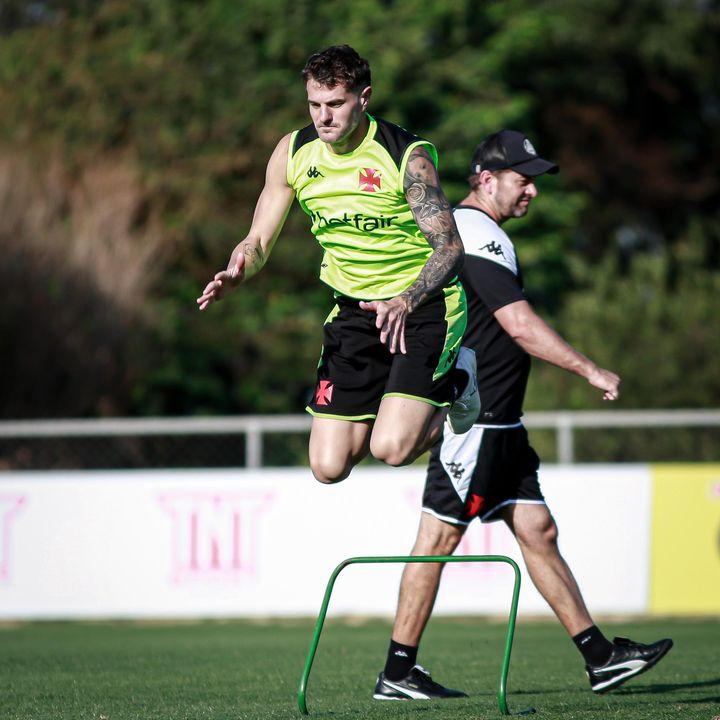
(480, 472)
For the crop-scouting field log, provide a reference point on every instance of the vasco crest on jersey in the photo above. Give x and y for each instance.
(370, 180)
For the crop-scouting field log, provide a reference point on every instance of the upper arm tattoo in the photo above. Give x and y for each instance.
(433, 215)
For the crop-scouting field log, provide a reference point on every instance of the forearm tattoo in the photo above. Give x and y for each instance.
(434, 217)
(254, 256)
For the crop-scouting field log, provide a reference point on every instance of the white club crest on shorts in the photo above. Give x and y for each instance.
(529, 147)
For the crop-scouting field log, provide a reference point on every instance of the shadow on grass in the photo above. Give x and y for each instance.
(626, 690)
(696, 701)
(665, 687)
(542, 691)
(419, 708)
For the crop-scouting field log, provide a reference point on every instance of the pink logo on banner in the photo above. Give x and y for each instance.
(9, 506)
(214, 535)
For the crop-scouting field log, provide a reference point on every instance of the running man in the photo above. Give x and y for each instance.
(392, 254)
(499, 468)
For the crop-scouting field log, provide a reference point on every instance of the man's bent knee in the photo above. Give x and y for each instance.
(336, 446)
(330, 470)
(395, 459)
(392, 450)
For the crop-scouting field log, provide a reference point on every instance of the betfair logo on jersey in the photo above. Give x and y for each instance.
(369, 180)
(366, 223)
(313, 173)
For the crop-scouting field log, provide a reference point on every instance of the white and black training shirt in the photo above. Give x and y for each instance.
(492, 279)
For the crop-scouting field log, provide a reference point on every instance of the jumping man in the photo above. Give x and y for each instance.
(392, 254)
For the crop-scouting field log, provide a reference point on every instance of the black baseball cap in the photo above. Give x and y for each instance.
(509, 150)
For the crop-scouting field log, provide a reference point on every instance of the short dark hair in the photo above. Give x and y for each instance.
(336, 65)
(489, 151)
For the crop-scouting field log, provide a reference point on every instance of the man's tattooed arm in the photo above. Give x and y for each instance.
(434, 217)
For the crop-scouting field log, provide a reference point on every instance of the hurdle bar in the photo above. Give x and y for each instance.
(509, 635)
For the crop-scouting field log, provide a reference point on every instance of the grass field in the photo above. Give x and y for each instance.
(118, 671)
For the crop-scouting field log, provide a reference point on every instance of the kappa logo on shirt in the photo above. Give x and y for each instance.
(494, 248)
(313, 173)
(370, 180)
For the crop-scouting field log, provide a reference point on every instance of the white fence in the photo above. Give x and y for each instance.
(254, 427)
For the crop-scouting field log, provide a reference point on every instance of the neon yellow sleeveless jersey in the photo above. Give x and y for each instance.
(373, 249)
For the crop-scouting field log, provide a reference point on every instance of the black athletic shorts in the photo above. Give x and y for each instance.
(480, 472)
(356, 371)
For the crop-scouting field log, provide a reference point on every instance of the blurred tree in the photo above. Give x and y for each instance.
(657, 325)
(134, 137)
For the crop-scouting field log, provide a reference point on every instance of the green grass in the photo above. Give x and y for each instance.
(245, 670)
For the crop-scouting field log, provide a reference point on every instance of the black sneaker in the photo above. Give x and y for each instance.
(628, 659)
(416, 685)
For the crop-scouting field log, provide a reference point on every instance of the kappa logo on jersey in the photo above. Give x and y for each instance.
(370, 180)
(494, 248)
(456, 470)
(323, 394)
(313, 173)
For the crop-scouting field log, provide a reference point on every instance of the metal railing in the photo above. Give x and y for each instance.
(254, 427)
(565, 423)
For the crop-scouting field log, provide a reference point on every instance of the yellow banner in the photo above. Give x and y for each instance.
(685, 547)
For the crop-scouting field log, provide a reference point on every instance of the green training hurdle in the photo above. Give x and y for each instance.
(502, 687)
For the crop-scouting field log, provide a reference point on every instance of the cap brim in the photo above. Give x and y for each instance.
(536, 166)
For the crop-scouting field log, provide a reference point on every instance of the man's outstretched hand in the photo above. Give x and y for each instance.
(223, 283)
(606, 381)
(391, 316)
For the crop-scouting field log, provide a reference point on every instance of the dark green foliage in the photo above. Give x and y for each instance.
(656, 324)
(187, 99)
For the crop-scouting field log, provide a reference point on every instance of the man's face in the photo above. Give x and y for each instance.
(513, 193)
(336, 112)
